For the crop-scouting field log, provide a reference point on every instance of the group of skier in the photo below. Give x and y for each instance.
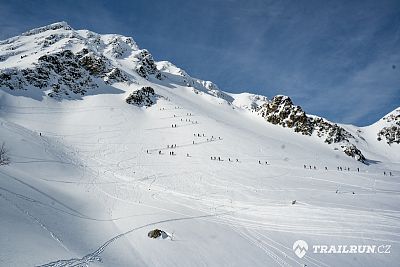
(310, 167)
(220, 159)
(339, 168)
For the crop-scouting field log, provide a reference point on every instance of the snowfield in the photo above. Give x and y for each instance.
(90, 177)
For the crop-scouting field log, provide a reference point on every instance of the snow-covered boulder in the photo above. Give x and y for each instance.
(352, 151)
(142, 97)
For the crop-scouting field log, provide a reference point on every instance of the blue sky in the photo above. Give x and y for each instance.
(337, 59)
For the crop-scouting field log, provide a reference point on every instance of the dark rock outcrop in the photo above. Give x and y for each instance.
(281, 111)
(392, 132)
(63, 73)
(142, 97)
(352, 151)
(146, 66)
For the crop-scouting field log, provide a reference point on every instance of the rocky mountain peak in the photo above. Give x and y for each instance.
(55, 26)
(63, 62)
(281, 111)
(391, 132)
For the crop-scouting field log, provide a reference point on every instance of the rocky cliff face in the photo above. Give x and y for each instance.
(142, 97)
(63, 62)
(146, 66)
(281, 111)
(391, 133)
(63, 73)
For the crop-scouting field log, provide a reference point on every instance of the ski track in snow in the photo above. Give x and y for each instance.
(96, 255)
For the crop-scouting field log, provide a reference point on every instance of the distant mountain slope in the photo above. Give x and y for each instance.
(64, 63)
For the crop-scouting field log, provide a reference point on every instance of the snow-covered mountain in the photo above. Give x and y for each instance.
(106, 144)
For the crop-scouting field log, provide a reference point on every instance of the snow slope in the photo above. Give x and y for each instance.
(87, 181)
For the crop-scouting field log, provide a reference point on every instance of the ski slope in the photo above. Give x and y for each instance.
(87, 182)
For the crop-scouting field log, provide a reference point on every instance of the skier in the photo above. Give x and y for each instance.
(175, 125)
(315, 168)
(237, 160)
(305, 167)
(259, 162)
(203, 135)
(384, 173)
(193, 142)
(187, 155)
(147, 151)
(159, 152)
(219, 158)
(40, 134)
(326, 168)
(266, 163)
(390, 173)
(358, 169)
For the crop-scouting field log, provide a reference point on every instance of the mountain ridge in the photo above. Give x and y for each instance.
(68, 64)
